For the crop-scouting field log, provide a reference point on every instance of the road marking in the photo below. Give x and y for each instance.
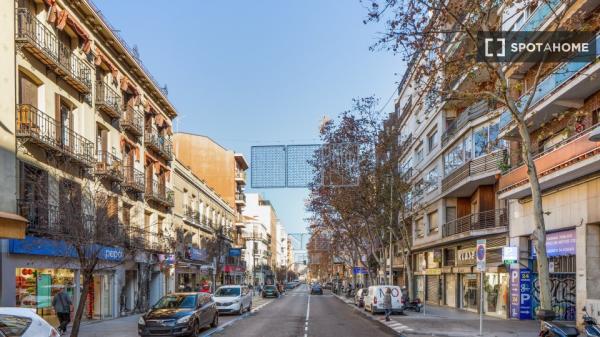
(307, 316)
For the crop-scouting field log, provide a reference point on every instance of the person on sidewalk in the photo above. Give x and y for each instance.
(62, 306)
(387, 303)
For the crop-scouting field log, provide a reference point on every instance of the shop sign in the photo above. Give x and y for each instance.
(481, 255)
(235, 252)
(360, 270)
(437, 255)
(562, 243)
(38, 246)
(466, 256)
(197, 254)
(433, 271)
(520, 293)
(510, 255)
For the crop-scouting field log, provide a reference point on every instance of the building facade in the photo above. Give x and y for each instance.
(87, 113)
(202, 220)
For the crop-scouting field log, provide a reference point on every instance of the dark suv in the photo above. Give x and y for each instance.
(179, 314)
(270, 291)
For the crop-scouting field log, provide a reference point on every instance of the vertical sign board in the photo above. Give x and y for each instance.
(525, 305)
(515, 293)
(480, 254)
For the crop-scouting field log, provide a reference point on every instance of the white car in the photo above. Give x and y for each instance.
(374, 299)
(233, 299)
(24, 322)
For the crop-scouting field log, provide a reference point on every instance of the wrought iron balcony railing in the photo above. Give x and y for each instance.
(489, 163)
(42, 43)
(109, 166)
(158, 143)
(240, 197)
(494, 218)
(133, 120)
(108, 100)
(157, 191)
(36, 126)
(133, 179)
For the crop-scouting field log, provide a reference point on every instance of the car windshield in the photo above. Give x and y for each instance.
(176, 302)
(13, 325)
(227, 292)
(269, 287)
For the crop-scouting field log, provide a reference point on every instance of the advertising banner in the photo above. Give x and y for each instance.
(561, 243)
(525, 305)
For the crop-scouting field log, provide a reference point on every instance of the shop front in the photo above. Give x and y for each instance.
(468, 279)
(495, 294)
(189, 273)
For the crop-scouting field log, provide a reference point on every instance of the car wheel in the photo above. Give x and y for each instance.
(196, 329)
(241, 310)
(215, 321)
(250, 306)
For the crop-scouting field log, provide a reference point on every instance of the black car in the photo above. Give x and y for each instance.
(270, 291)
(316, 289)
(179, 314)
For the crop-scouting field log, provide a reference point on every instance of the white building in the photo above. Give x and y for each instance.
(256, 252)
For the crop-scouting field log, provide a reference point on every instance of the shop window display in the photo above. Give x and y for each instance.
(496, 294)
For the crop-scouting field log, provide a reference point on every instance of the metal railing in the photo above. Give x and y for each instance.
(44, 130)
(133, 120)
(41, 216)
(191, 215)
(474, 111)
(158, 191)
(485, 164)
(133, 178)
(158, 143)
(108, 164)
(538, 16)
(240, 197)
(50, 50)
(240, 175)
(477, 221)
(108, 99)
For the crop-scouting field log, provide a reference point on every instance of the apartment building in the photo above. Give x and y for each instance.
(88, 113)
(262, 211)
(463, 162)
(222, 169)
(202, 220)
(256, 252)
(565, 110)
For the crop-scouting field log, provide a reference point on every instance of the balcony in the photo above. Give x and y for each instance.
(240, 198)
(32, 35)
(143, 239)
(109, 166)
(158, 192)
(133, 180)
(463, 181)
(477, 224)
(133, 121)
(108, 100)
(42, 218)
(158, 143)
(35, 126)
(240, 177)
(539, 16)
(191, 216)
(570, 159)
(471, 113)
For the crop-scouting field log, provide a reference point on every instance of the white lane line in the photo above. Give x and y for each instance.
(307, 316)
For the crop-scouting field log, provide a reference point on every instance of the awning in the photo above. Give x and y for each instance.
(12, 226)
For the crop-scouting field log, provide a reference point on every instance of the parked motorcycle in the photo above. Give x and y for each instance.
(551, 329)
(414, 305)
(591, 328)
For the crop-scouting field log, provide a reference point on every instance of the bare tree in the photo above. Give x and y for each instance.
(438, 38)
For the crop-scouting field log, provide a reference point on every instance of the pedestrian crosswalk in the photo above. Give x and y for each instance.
(397, 326)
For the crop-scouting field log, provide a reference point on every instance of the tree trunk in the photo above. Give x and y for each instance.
(540, 227)
(409, 274)
(87, 280)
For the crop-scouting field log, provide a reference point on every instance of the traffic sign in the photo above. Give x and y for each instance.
(480, 255)
(510, 255)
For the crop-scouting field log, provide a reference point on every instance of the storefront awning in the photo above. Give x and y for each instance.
(12, 226)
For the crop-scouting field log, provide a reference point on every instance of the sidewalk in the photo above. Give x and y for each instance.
(451, 322)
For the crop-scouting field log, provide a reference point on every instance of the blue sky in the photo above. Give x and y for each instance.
(258, 72)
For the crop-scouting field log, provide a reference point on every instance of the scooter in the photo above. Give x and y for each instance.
(550, 329)
(591, 328)
(414, 305)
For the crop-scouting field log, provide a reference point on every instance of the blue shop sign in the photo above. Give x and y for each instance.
(525, 306)
(235, 252)
(561, 243)
(359, 270)
(39, 246)
(197, 254)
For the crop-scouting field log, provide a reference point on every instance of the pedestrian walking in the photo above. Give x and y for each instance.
(387, 303)
(62, 306)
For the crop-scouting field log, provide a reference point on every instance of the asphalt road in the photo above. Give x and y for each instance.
(299, 314)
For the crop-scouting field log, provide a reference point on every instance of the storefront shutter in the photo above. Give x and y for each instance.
(433, 289)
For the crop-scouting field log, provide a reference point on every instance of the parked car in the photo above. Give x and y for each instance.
(24, 322)
(290, 285)
(359, 297)
(374, 299)
(179, 314)
(270, 291)
(234, 298)
(316, 289)
(328, 286)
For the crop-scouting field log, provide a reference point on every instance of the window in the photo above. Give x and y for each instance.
(406, 168)
(596, 116)
(13, 325)
(450, 214)
(418, 154)
(551, 142)
(480, 141)
(28, 90)
(420, 228)
(432, 180)
(432, 140)
(432, 219)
